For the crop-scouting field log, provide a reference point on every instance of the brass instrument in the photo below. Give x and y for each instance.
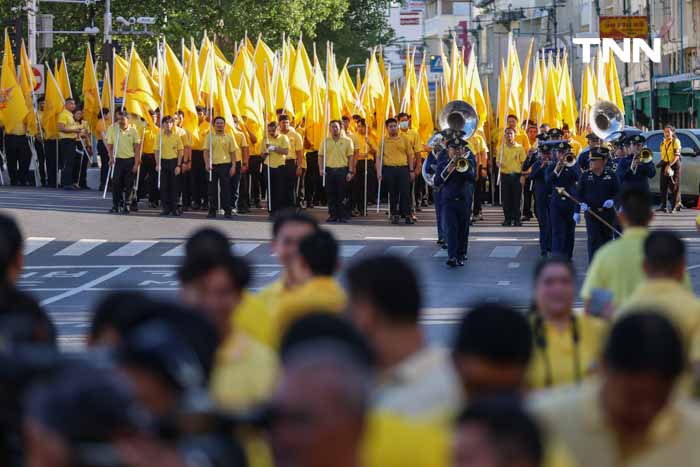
(644, 157)
(606, 120)
(461, 165)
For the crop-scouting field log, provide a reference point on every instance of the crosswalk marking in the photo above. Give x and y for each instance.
(440, 254)
(347, 251)
(34, 243)
(133, 248)
(242, 249)
(177, 251)
(401, 250)
(505, 252)
(81, 247)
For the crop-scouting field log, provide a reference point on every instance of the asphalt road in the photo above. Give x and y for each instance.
(76, 252)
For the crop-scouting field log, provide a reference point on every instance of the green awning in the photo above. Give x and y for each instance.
(663, 97)
(681, 96)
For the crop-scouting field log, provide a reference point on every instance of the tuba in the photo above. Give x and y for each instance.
(606, 120)
(457, 120)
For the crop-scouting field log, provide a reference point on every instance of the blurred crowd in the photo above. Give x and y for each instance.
(311, 373)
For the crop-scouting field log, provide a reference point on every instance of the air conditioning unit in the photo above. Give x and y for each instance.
(45, 39)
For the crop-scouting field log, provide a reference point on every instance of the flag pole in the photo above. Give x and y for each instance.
(162, 110)
(38, 122)
(53, 79)
(364, 207)
(326, 111)
(267, 142)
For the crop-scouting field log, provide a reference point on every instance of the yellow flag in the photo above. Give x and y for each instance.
(602, 86)
(282, 96)
(63, 78)
(374, 81)
(315, 117)
(588, 93)
(220, 103)
(446, 70)
(121, 70)
(263, 54)
(27, 83)
(474, 89)
(490, 125)
(349, 95)
(536, 93)
(422, 110)
(299, 81)
(194, 75)
(186, 103)
(567, 102)
(551, 115)
(139, 86)
(172, 81)
(208, 85)
(613, 84)
(106, 97)
(53, 105)
(242, 66)
(13, 108)
(250, 109)
(91, 94)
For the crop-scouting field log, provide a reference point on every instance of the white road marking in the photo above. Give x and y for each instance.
(133, 266)
(401, 250)
(133, 248)
(85, 286)
(347, 251)
(177, 251)
(440, 254)
(503, 283)
(34, 243)
(513, 265)
(81, 247)
(242, 249)
(385, 238)
(505, 252)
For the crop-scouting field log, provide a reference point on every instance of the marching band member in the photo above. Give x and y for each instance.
(510, 164)
(566, 136)
(670, 166)
(221, 165)
(542, 193)
(457, 193)
(397, 171)
(583, 158)
(563, 174)
(170, 155)
(632, 170)
(597, 189)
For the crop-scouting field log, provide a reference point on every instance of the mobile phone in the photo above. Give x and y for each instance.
(600, 301)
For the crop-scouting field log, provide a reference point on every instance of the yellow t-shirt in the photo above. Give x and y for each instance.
(520, 138)
(302, 133)
(338, 152)
(224, 148)
(101, 127)
(150, 137)
(255, 318)
(275, 158)
(363, 146)
(669, 149)
(413, 139)
(200, 141)
(563, 356)
(127, 140)
(184, 136)
(512, 158)
(296, 143)
(396, 151)
(66, 118)
(241, 141)
(171, 145)
(85, 126)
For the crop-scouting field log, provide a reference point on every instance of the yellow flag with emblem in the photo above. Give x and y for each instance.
(91, 94)
(27, 84)
(53, 105)
(13, 107)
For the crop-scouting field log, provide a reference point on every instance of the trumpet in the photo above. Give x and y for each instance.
(459, 163)
(644, 157)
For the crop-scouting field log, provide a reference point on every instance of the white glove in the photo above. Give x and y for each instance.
(584, 207)
(272, 148)
(577, 217)
(608, 204)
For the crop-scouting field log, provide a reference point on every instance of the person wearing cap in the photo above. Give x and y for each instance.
(536, 178)
(597, 189)
(670, 166)
(510, 164)
(631, 170)
(562, 176)
(457, 194)
(583, 157)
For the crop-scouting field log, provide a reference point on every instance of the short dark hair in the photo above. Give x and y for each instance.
(289, 216)
(645, 341)
(512, 431)
(11, 244)
(180, 113)
(209, 249)
(121, 311)
(402, 115)
(558, 260)
(390, 121)
(512, 116)
(320, 252)
(565, 127)
(23, 320)
(167, 119)
(345, 118)
(636, 206)
(340, 124)
(664, 252)
(495, 332)
(362, 121)
(217, 118)
(200, 108)
(272, 126)
(391, 284)
(69, 99)
(283, 117)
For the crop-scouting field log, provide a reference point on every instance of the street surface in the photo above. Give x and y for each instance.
(76, 252)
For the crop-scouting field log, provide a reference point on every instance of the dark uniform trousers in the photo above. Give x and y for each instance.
(479, 193)
(104, 162)
(671, 185)
(315, 195)
(122, 181)
(439, 217)
(198, 179)
(184, 189)
(220, 179)
(527, 199)
(81, 161)
(236, 186)
(256, 173)
(168, 181)
(598, 234)
(561, 217)
(41, 160)
(277, 195)
(18, 159)
(542, 203)
(358, 185)
(51, 146)
(336, 189)
(511, 191)
(290, 179)
(301, 189)
(148, 178)
(244, 191)
(66, 148)
(397, 182)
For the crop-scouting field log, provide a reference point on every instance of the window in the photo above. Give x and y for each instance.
(686, 142)
(460, 9)
(654, 142)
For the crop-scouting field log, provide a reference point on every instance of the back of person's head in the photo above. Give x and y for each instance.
(645, 341)
(11, 244)
(290, 216)
(390, 284)
(511, 434)
(117, 314)
(664, 254)
(319, 251)
(207, 241)
(22, 320)
(636, 206)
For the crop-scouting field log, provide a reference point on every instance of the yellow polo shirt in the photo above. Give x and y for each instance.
(101, 127)
(413, 139)
(511, 159)
(520, 138)
(563, 356)
(363, 146)
(254, 317)
(20, 130)
(296, 143)
(302, 133)
(338, 152)
(127, 140)
(200, 141)
(150, 138)
(184, 136)
(66, 118)
(224, 148)
(275, 158)
(669, 149)
(396, 151)
(171, 145)
(241, 141)
(85, 126)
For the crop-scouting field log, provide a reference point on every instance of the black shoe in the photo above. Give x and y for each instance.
(395, 219)
(410, 221)
(258, 206)
(175, 213)
(152, 205)
(332, 219)
(460, 262)
(211, 215)
(228, 215)
(244, 211)
(424, 204)
(343, 220)
(677, 208)
(517, 224)
(505, 223)
(164, 213)
(444, 246)
(452, 262)
(125, 210)
(114, 210)
(418, 209)
(440, 242)
(135, 207)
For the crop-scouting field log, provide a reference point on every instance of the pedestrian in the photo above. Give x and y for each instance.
(169, 157)
(510, 163)
(219, 164)
(457, 191)
(123, 144)
(396, 170)
(478, 147)
(670, 166)
(527, 187)
(198, 176)
(598, 188)
(563, 175)
(293, 159)
(336, 157)
(68, 131)
(543, 193)
(364, 182)
(83, 150)
(148, 176)
(276, 149)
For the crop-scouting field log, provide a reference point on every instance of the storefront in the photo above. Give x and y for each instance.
(678, 98)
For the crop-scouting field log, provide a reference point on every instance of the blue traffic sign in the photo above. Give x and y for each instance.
(435, 64)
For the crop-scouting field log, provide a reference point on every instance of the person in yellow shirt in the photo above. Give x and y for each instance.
(240, 186)
(416, 146)
(67, 131)
(336, 158)
(219, 164)
(566, 136)
(104, 121)
(293, 160)
(149, 174)
(510, 163)
(315, 288)
(275, 152)
(396, 164)
(520, 135)
(198, 176)
(477, 145)
(169, 157)
(124, 146)
(670, 167)
(567, 345)
(527, 186)
(83, 150)
(183, 181)
(364, 182)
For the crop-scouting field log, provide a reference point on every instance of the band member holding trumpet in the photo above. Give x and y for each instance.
(638, 167)
(670, 166)
(597, 190)
(563, 175)
(510, 165)
(542, 192)
(456, 175)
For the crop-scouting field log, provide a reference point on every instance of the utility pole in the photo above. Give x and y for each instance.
(108, 22)
(652, 86)
(625, 12)
(31, 29)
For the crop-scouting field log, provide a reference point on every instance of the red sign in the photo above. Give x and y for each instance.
(624, 27)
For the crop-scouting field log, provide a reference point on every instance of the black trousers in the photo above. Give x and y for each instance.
(220, 179)
(671, 186)
(479, 194)
(104, 161)
(183, 192)
(597, 233)
(122, 181)
(397, 182)
(235, 186)
(41, 160)
(336, 189)
(527, 199)
(148, 178)
(420, 189)
(358, 185)
(198, 179)
(290, 179)
(66, 149)
(51, 146)
(256, 175)
(511, 191)
(277, 185)
(301, 189)
(244, 192)
(168, 182)
(18, 158)
(315, 194)
(455, 214)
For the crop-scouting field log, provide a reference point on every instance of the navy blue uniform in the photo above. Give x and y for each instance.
(584, 159)
(561, 209)
(594, 190)
(457, 193)
(542, 200)
(434, 160)
(640, 179)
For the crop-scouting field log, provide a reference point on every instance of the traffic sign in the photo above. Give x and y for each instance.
(435, 64)
(38, 71)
